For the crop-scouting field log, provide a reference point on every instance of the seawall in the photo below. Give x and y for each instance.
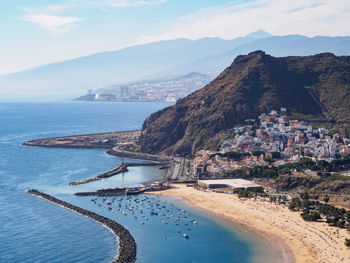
(162, 160)
(126, 252)
(120, 168)
(123, 191)
(105, 140)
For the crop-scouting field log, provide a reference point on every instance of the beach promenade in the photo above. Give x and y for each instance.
(300, 241)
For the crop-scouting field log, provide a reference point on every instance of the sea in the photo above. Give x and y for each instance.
(35, 230)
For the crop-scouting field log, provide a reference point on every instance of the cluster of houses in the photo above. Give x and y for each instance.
(270, 134)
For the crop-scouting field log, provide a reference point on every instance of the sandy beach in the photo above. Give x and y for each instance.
(299, 241)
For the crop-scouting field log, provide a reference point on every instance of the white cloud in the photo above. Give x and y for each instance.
(312, 17)
(52, 23)
(47, 18)
(45, 9)
(128, 3)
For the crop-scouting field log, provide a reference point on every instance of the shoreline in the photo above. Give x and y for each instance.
(88, 141)
(161, 160)
(104, 140)
(275, 237)
(297, 240)
(261, 244)
(126, 251)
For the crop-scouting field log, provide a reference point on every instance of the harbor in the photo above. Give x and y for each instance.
(120, 168)
(126, 244)
(131, 206)
(123, 191)
(57, 235)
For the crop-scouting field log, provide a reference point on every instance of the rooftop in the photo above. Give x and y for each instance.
(231, 183)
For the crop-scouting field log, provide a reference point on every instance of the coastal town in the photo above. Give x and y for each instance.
(271, 140)
(163, 89)
(274, 143)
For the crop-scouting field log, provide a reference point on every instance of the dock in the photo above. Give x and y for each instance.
(123, 191)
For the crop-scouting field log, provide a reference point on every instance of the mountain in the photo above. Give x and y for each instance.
(115, 67)
(171, 58)
(314, 88)
(260, 34)
(292, 45)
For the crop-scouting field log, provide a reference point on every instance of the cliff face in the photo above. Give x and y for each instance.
(313, 88)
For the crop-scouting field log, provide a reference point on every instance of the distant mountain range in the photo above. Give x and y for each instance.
(313, 88)
(160, 59)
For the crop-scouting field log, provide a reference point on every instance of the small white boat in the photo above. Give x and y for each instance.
(185, 235)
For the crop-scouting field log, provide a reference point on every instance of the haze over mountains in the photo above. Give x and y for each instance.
(159, 59)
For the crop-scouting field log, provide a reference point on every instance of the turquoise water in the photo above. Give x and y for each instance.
(34, 230)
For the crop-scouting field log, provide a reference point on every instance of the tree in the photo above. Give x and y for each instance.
(295, 203)
(326, 199)
(276, 155)
(323, 165)
(313, 216)
(341, 224)
(269, 159)
(347, 242)
(257, 153)
(305, 196)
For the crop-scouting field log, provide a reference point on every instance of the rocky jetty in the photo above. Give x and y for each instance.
(162, 160)
(124, 191)
(126, 244)
(120, 168)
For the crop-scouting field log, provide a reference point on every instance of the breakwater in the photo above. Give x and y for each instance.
(120, 168)
(105, 140)
(111, 192)
(126, 244)
(123, 191)
(139, 156)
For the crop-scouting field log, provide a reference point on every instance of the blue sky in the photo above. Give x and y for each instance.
(44, 31)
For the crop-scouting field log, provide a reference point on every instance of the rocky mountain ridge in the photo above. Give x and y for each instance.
(313, 88)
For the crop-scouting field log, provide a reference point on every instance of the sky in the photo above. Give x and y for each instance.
(40, 32)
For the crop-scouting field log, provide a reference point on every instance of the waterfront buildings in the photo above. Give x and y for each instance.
(233, 184)
(273, 139)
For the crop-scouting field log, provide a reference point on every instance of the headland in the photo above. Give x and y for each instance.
(87, 141)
